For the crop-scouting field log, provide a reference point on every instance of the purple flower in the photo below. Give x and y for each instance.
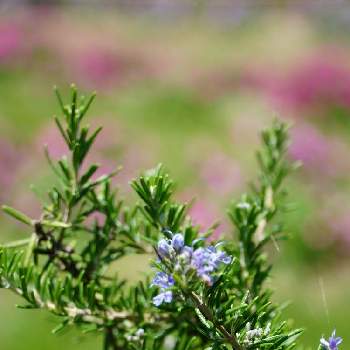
(184, 260)
(164, 297)
(222, 257)
(203, 263)
(207, 260)
(178, 242)
(162, 280)
(332, 343)
(165, 250)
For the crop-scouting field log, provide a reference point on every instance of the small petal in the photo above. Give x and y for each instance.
(338, 340)
(158, 300)
(164, 248)
(162, 280)
(164, 297)
(324, 342)
(168, 296)
(178, 242)
(223, 258)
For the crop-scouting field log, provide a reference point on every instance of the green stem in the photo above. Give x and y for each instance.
(109, 342)
(207, 313)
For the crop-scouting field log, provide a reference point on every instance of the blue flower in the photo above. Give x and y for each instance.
(185, 260)
(222, 257)
(164, 297)
(178, 242)
(206, 260)
(162, 280)
(332, 343)
(165, 250)
(169, 248)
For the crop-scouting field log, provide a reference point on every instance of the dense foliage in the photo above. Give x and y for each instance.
(203, 293)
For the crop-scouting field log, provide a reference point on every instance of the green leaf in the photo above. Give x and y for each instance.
(58, 224)
(16, 244)
(17, 215)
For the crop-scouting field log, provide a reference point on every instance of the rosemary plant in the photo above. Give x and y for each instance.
(201, 293)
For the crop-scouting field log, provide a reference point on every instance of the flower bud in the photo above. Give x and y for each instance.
(178, 242)
(164, 248)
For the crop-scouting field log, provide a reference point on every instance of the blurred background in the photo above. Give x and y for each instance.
(189, 84)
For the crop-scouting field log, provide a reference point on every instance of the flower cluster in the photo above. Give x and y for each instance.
(332, 343)
(182, 259)
(164, 282)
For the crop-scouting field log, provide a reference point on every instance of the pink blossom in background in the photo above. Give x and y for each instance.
(98, 66)
(134, 160)
(204, 214)
(323, 79)
(111, 136)
(310, 147)
(112, 151)
(11, 42)
(221, 174)
(50, 136)
(319, 81)
(104, 67)
(318, 153)
(93, 58)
